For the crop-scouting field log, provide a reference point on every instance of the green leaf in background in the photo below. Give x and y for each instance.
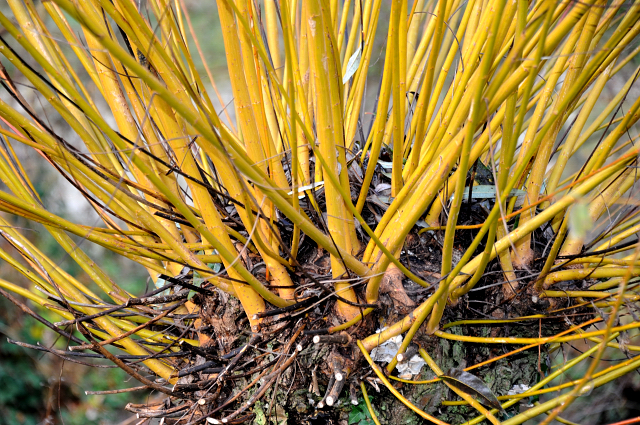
(359, 415)
(579, 221)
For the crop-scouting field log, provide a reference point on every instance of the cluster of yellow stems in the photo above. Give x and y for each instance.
(514, 84)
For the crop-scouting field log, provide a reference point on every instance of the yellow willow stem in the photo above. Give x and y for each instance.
(72, 290)
(292, 67)
(625, 223)
(600, 204)
(347, 325)
(599, 122)
(229, 256)
(525, 341)
(609, 329)
(472, 122)
(613, 241)
(253, 124)
(466, 397)
(413, 24)
(443, 62)
(425, 90)
(490, 321)
(409, 213)
(576, 129)
(311, 230)
(507, 151)
(114, 96)
(337, 92)
(356, 93)
(363, 388)
(186, 14)
(553, 255)
(395, 392)
(604, 261)
(576, 64)
(73, 41)
(354, 34)
(37, 82)
(506, 242)
(320, 54)
(546, 42)
(523, 253)
(344, 17)
(271, 16)
(377, 132)
(457, 103)
(519, 170)
(418, 315)
(46, 218)
(535, 390)
(419, 174)
(635, 348)
(586, 273)
(408, 338)
(516, 234)
(586, 294)
(214, 148)
(14, 206)
(32, 37)
(97, 275)
(398, 44)
(364, 225)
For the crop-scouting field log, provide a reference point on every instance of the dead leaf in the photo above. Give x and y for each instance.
(472, 385)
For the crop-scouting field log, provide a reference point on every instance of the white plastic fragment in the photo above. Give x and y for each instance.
(518, 389)
(387, 350)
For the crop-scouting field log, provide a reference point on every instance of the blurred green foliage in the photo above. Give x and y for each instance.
(36, 386)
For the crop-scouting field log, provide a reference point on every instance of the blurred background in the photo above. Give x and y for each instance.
(38, 388)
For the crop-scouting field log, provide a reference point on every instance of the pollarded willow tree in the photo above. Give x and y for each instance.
(472, 174)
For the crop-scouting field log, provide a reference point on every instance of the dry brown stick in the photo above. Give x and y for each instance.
(341, 338)
(135, 358)
(332, 380)
(274, 376)
(159, 354)
(252, 371)
(234, 361)
(161, 413)
(58, 353)
(244, 390)
(132, 406)
(314, 382)
(120, 363)
(255, 381)
(411, 351)
(123, 390)
(242, 420)
(334, 394)
(353, 395)
(39, 318)
(126, 334)
(129, 303)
